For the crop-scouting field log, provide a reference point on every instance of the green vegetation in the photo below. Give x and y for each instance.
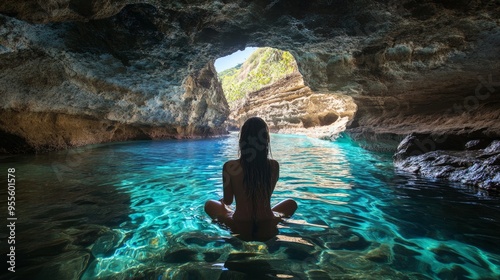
(263, 67)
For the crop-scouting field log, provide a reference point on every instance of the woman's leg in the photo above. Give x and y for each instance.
(216, 210)
(286, 207)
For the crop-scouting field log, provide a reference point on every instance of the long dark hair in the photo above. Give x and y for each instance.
(254, 150)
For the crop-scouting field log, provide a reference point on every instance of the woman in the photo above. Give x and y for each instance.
(251, 180)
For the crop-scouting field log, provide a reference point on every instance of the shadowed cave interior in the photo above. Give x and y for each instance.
(411, 88)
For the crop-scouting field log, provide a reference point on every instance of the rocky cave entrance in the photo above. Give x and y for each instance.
(266, 82)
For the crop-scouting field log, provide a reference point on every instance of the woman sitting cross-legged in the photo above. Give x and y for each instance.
(251, 180)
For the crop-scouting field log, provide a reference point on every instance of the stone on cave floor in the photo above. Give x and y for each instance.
(318, 274)
(445, 254)
(346, 240)
(455, 272)
(181, 256)
(381, 254)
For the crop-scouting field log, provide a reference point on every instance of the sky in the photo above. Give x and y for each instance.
(234, 59)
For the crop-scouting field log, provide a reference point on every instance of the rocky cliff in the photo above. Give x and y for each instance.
(77, 72)
(288, 106)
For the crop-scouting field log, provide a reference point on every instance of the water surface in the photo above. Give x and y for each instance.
(135, 210)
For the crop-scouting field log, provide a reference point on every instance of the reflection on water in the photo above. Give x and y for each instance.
(135, 210)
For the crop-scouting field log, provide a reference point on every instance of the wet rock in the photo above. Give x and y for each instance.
(417, 144)
(477, 144)
(70, 265)
(197, 239)
(445, 254)
(402, 250)
(234, 241)
(381, 254)
(241, 256)
(49, 248)
(433, 158)
(106, 244)
(374, 141)
(352, 241)
(404, 258)
(181, 256)
(211, 256)
(318, 275)
(493, 148)
(456, 272)
(185, 271)
(248, 263)
(297, 254)
(234, 275)
(86, 237)
(293, 250)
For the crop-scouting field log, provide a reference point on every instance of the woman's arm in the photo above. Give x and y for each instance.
(226, 185)
(275, 172)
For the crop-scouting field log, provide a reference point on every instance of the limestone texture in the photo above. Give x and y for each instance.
(288, 106)
(145, 67)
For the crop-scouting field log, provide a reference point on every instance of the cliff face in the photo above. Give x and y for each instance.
(288, 106)
(145, 69)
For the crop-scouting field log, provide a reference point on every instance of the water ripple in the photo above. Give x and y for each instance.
(137, 208)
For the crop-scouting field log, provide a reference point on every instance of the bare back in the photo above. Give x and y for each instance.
(242, 220)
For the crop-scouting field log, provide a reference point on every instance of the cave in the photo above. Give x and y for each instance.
(149, 68)
(76, 74)
(403, 95)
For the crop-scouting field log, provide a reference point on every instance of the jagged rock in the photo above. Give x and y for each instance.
(432, 158)
(411, 66)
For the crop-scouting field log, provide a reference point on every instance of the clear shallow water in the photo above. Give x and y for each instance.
(135, 210)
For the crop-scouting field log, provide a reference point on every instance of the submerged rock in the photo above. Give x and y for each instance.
(106, 244)
(181, 256)
(433, 158)
(381, 254)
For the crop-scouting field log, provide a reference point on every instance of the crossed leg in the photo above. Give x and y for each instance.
(218, 210)
(286, 208)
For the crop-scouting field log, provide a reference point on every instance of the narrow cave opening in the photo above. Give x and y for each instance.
(266, 82)
(252, 69)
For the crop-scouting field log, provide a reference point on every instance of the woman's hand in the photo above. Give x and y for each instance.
(225, 205)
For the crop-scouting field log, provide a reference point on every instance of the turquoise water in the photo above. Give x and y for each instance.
(135, 210)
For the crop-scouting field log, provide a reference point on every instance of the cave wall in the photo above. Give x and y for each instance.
(113, 79)
(424, 66)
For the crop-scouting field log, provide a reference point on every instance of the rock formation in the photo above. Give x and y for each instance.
(71, 84)
(474, 162)
(79, 72)
(288, 106)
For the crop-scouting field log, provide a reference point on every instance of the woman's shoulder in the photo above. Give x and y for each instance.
(233, 167)
(231, 164)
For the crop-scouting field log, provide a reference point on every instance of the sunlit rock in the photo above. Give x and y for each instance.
(288, 106)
